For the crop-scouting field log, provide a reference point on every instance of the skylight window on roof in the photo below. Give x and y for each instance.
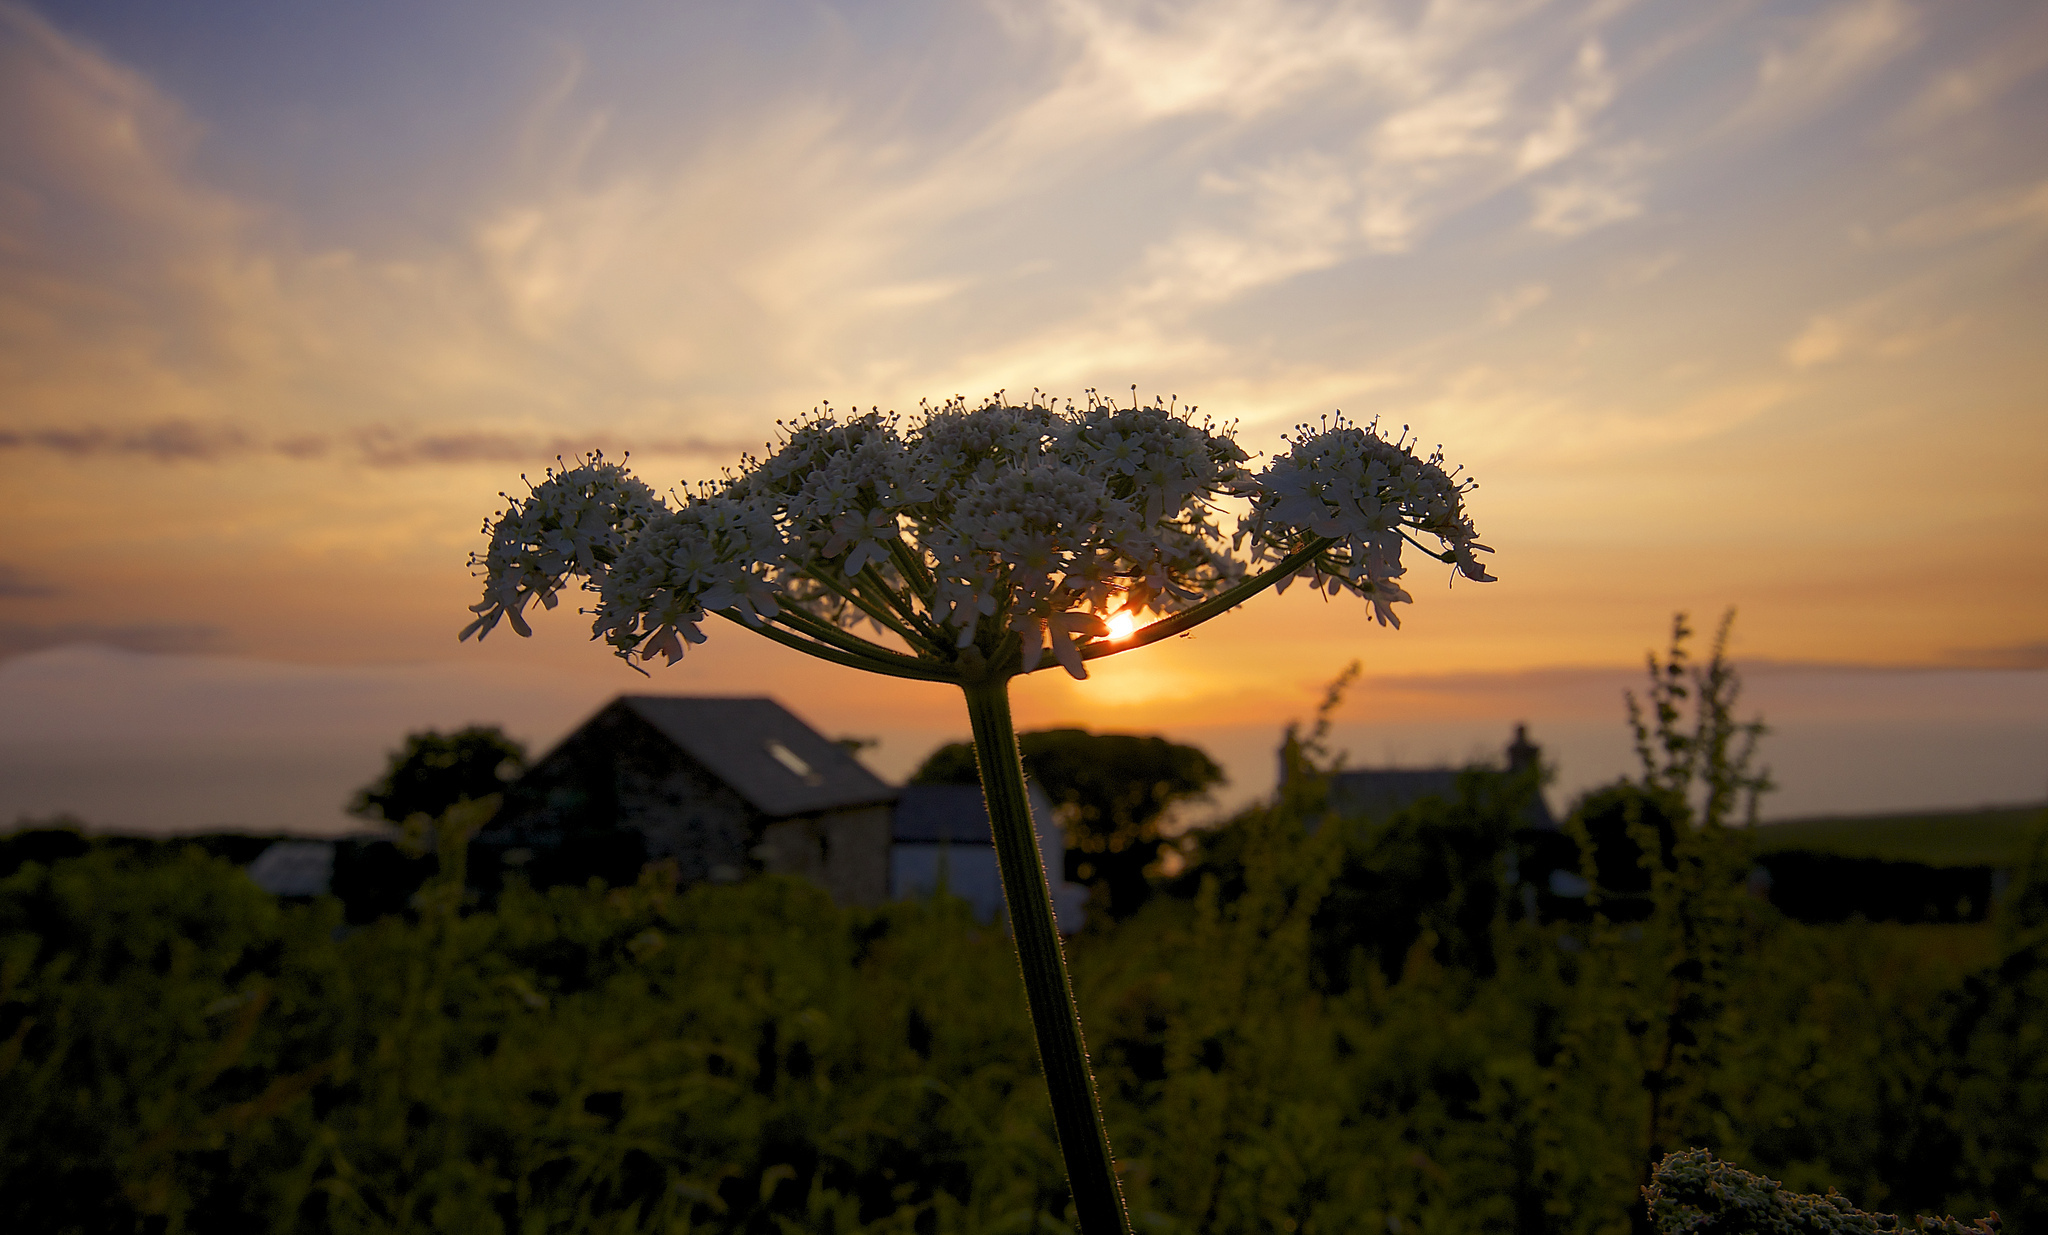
(793, 761)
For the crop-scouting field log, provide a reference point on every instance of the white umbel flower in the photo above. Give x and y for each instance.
(1344, 484)
(574, 523)
(976, 539)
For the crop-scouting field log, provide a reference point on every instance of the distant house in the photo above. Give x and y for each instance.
(295, 868)
(370, 872)
(724, 786)
(719, 786)
(942, 839)
(1379, 792)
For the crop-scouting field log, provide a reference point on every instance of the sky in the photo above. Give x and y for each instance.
(1723, 305)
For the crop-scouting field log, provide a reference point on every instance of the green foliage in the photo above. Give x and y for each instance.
(1433, 870)
(179, 1052)
(738, 1058)
(1993, 1081)
(162, 1021)
(1113, 791)
(1327, 1033)
(1626, 831)
(1671, 934)
(433, 771)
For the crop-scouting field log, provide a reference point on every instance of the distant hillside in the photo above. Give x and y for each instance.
(1998, 837)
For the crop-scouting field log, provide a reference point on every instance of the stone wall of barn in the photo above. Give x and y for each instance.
(618, 794)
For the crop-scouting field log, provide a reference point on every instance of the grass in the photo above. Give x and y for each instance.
(1996, 837)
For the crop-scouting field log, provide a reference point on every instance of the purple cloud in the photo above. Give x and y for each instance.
(179, 441)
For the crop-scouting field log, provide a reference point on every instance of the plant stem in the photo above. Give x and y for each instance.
(848, 650)
(1077, 1116)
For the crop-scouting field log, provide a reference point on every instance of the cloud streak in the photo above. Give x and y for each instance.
(2021, 207)
(1880, 328)
(1828, 54)
(176, 441)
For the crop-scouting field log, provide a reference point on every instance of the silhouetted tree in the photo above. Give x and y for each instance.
(433, 771)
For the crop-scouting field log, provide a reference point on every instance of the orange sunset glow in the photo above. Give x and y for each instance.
(1720, 305)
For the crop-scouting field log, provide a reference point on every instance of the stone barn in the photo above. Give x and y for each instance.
(720, 786)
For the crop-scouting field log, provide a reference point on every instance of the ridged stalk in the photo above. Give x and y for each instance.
(1077, 1115)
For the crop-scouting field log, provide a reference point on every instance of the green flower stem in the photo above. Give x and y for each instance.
(912, 566)
(871, 659)
(931, 636)
(803, 621)
(1077, 1116)
(851, 594)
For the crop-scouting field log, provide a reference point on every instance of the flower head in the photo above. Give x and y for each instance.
(975, 539)
(575, 522)
(1344, 484)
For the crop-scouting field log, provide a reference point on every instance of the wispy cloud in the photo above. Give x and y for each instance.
(1881, 327)
(1954, 92)
(1507, 306)
(1462, 119)
(175, 441)
(1597, 193)
(165, 442)
(391, 448)
(2019, 206)
(1642, 270)
(1826, 55)
(128, 281)
(1507, 424)
(1567, 129)
(1297, 216)
(1238, 57)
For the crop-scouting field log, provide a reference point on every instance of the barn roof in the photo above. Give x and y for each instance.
(1378, 792)
(776, 762)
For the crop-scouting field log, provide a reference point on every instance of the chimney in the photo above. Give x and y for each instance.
(1522, 753)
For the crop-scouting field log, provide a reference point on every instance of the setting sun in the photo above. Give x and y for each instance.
(1121, 624)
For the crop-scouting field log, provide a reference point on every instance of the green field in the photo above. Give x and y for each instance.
(1998, 837)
